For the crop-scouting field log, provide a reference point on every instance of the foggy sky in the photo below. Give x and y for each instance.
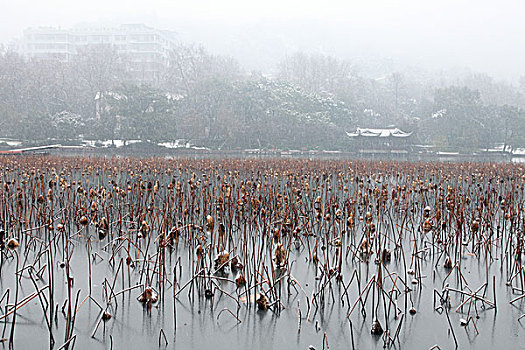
(481, 35)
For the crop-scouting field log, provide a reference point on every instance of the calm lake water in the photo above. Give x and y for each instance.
(198, 326)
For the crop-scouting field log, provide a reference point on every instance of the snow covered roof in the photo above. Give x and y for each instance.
(115, 95)
(387, 132)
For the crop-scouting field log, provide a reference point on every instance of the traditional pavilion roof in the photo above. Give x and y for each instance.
(387, 132)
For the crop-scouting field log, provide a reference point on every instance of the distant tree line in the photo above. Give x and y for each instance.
(461, 113)
(210, 101)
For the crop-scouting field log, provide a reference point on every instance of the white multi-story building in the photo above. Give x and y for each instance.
(144, 49)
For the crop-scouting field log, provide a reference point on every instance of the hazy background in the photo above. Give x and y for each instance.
(479, 35)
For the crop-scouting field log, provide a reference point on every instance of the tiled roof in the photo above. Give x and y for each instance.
(394, 132)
